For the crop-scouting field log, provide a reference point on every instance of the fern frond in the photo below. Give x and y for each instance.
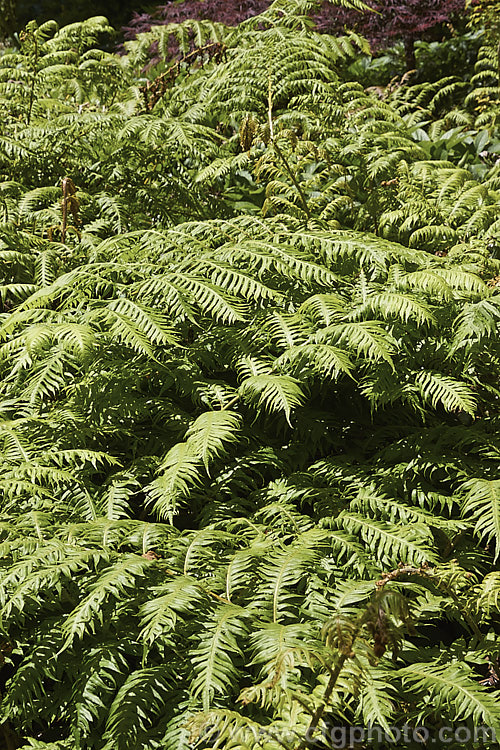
(211, 432)
(114, 581)
(482, 506)
(215, 652)
(453, 691)
(409, 544)
(365, 339)
(137, 703)
(275, 393)
(180, 474)
(451, 394)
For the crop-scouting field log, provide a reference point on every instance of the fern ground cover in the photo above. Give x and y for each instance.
(249, 388)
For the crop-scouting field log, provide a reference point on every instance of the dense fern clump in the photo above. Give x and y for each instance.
(249, 390)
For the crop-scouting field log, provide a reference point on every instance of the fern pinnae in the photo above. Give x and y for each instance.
(481, 504)
(455, 690)
(210, 433)
(212, 657)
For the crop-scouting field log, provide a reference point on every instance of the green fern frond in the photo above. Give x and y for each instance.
(439, 389)
(377, 698)
(118, 578)
(453, 691)
(211, 432)
(410, 544)
(215, 652)
(180, 474)
(482, 506)
(137, 703)
(365, 339)
(274, 393)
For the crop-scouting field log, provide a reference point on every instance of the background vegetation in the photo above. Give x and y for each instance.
(249, 387)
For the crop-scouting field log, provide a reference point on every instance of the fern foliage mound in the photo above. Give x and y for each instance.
(249, 391)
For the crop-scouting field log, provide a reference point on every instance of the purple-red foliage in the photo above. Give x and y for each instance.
(229, 12)
(396, 19)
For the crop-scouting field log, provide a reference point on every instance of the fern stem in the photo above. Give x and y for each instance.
(33, 80)
(230, 403)
(280, 152)
(218, 597)
(270, 109)
(293, 178)
(347, 651)
(326, 697)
